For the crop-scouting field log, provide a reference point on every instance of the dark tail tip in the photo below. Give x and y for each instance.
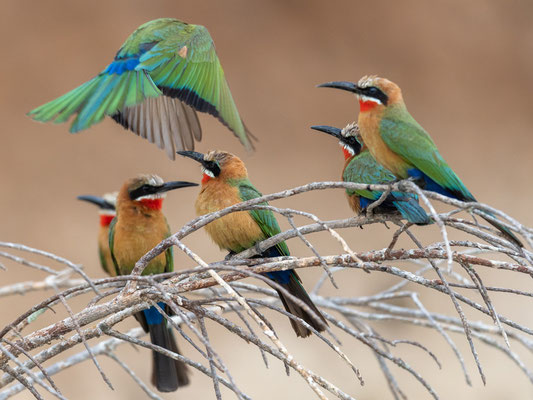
(167, 374)
(295, 288)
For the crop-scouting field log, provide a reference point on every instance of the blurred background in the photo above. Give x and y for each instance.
(466, 73)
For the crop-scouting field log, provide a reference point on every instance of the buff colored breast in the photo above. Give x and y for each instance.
(137, 231)
(369, 128)
(236, 231)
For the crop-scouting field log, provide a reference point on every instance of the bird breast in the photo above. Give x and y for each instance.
(234, 232)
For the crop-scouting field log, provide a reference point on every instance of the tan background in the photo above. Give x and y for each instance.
(465, 69)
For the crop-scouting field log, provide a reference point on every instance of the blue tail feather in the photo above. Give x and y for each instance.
(429, 184)
(412, 211)
(154, 317)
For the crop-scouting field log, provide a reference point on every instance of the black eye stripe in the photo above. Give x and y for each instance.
(375, 93)
(353, 143)
(213, 167)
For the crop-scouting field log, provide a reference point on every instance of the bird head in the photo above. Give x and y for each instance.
(348, 137)
(373, 92)
(149, 190)
(218, 165)
(106, 204)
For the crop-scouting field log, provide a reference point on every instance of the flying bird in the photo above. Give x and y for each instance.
(164, 73)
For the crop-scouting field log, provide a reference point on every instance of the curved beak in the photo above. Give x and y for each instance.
(199, 157)
(167, 186)
(99, 201)
(348, 86)
(330, 130)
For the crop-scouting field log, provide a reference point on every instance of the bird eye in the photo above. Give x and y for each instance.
(373, 91)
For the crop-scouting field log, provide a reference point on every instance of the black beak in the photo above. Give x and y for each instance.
(146, 190)
(100, 202)
(167, 186)
(348, 86)
(330, 130)
(199, 157)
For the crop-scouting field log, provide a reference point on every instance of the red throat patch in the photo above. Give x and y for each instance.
(366, 105)
(154, 204)
(206, 178)
(347, 154)
(105, 219)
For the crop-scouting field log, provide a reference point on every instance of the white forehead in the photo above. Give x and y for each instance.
(351, 129)
(152, 179)
(111, 198)
(367, 81)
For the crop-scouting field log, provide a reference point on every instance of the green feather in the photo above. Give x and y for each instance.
(162, 57)
(264, 218)
(112, 244)
(405, 137)
(363, 168)
(199, 72)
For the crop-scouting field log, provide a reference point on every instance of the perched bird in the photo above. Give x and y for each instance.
(163, 73)
(106, 204)
(225, 182)
(360, 167)
(401, 145)
(138, 227)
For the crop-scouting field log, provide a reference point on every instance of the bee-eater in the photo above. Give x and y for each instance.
(106, 205)
(138, 227)
(360, 167)
(225, 182)
(400, 144)
(164, 72)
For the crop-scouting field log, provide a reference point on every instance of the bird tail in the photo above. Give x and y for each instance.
(167, 374)
(294, 287)
(106, 94)
(412, 211)
(504, 230)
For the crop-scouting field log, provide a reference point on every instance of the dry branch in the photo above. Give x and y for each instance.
(209, 291)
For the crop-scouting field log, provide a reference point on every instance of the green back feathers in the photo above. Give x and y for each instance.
(405, 137)
(363, 168)
(185, 65)
(264, 218)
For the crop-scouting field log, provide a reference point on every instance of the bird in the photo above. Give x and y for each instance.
(225, 182)
(138, 227)
(165, 71)
(361, 167)
(106, 205)
(399, 143)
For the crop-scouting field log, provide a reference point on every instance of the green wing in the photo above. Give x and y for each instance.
(264, 218)
(163, 73)
(169, 255)
(363, 168)
(405, 137)
(112, 243)
(184, 65)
